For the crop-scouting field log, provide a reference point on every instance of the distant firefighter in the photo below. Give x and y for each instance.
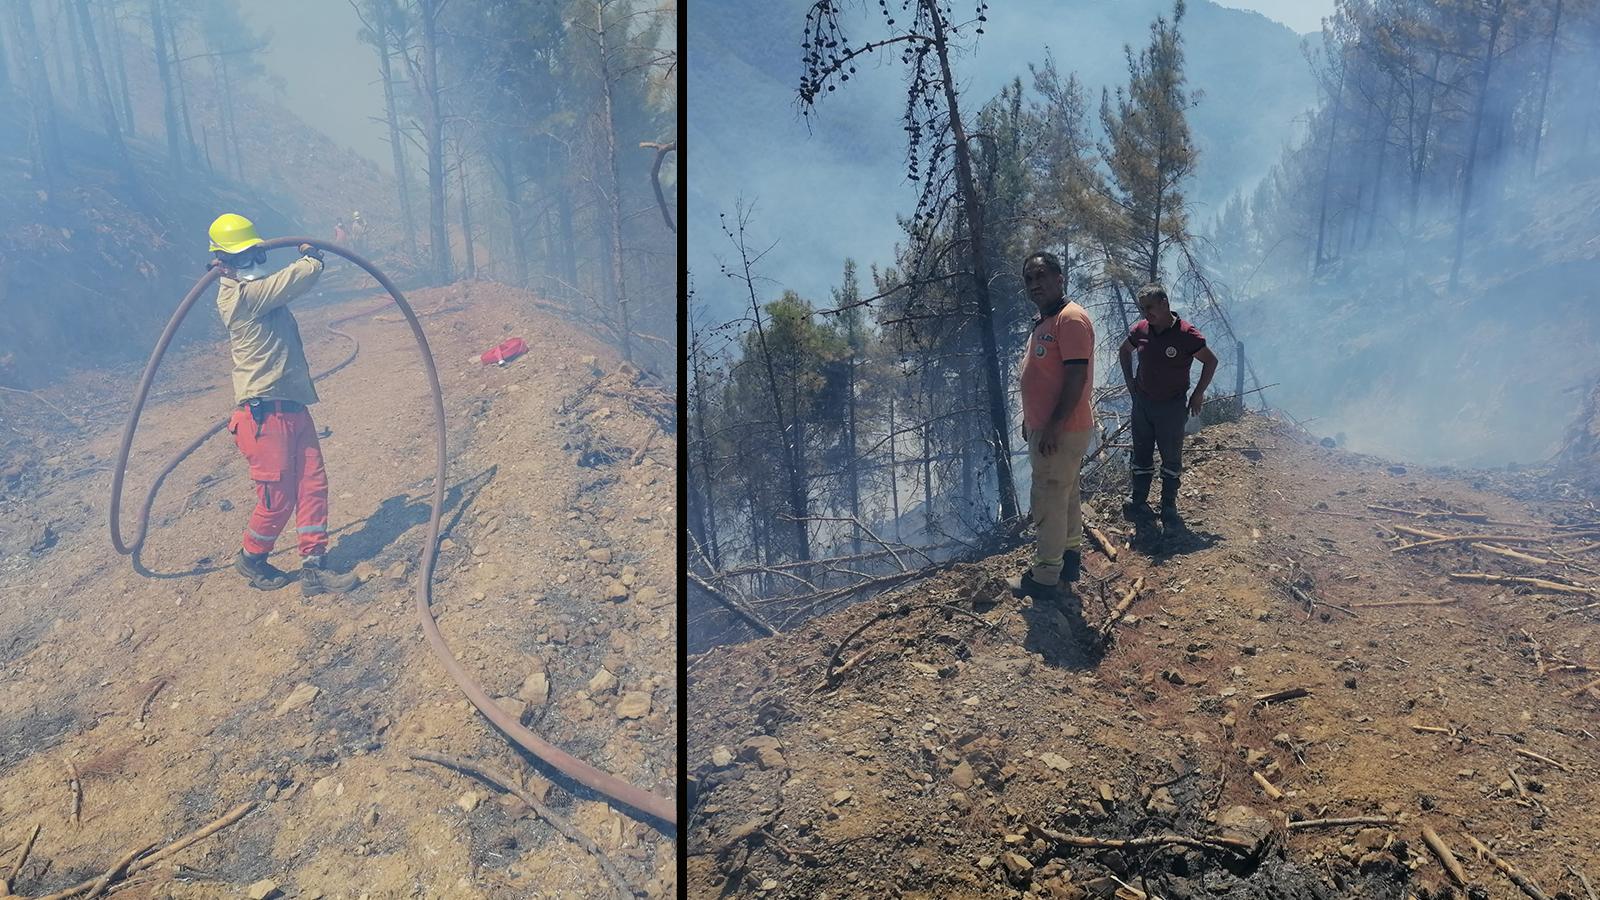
(271, 423)
(1162, 404)
(340, 235)
(1057, 381)
(358, 231)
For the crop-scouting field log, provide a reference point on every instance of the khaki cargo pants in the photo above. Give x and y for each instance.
(1055, 502)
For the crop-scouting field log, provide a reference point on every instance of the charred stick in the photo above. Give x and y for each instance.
(116, 870)
(1447, 858)
(1341, 823)
(141, 863)
(510, 786)
(1510, 871)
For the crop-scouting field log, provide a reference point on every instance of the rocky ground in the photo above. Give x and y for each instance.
(136, 708)
(1279, 665)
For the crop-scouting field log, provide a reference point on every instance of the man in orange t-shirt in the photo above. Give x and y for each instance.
(1057, 378)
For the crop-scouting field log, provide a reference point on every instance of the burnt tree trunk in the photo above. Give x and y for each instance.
(169, 105)
(1496, 19)
(108, 109)
(397, 147)
(612, 190)
(433, 128)
(1000, 438)
(1544, 91)
(44, 136)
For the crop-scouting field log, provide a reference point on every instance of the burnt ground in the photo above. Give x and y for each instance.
(952, 757)
(168, 692)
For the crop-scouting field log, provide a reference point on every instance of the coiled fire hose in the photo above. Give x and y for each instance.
(650, 804)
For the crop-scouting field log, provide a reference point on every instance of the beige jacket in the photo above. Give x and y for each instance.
(269, 360)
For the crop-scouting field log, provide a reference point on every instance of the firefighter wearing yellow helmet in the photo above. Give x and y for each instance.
(271, 423)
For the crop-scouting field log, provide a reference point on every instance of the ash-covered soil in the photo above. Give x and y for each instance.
(173, 697)
(1002, 756)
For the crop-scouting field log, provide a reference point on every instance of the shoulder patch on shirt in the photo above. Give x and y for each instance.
(1038, 350)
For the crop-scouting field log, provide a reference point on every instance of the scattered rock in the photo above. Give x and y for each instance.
(535, 689)
(302, 695)
(601, 555)
(1055, 761)
(262, 889)
(602, 682)
(721, 757)
(325, 786)
(765, 750)
(961, 776)
(1161, 803)
(633, 705)
(1242, 823)
(514, 707)
(616, 591)
(469, 801)
(1016, 864)
(397, 572)
(842, 796)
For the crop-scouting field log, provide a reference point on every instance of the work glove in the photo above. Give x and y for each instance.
(308, 250)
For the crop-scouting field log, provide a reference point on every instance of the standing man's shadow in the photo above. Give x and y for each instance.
(1058, 632)
(398, 514)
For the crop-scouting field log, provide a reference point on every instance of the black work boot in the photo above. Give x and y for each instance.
(1169, 503)
(1138, 502)
(316, 578)
(1071, 565)
(1024, 585)
(262, 575)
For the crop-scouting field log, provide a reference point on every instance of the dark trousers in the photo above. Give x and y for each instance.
(1158, 424)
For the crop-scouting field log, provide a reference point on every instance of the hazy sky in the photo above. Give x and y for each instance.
(330, 78)
(1301, 15)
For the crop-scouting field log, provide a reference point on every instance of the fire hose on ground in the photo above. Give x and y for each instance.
(622, 792)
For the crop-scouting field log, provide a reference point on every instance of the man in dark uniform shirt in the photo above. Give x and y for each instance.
(1162, 404)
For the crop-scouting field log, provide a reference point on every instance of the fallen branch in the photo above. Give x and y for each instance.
(1121, 608)
(510, 786)
(1446, 857)
(116, 870)
(1517, 878)
(638, 455)
(1468, 517)
(1537, 757)
(834, 670)
(75, 785)
(1209, 842)
(1540, 583)
(1267, 787)
(1511, 554)
(144, 708)
(139, 865)
(1101, 542)
(1588, 687)
(1340, 823)
(1466, 538)
(76, 425)
(1280, 696)
(1313, 602)
(739, 609)
(1382, 603)
(22, 860)
(1583, 880)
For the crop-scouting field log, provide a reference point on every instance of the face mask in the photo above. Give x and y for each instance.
(251, 267)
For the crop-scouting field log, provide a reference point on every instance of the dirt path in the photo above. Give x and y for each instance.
(951, 759)
(175, 696)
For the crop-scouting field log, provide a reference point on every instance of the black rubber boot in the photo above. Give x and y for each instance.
(1169, 503)
(1024, 586)
(1071, 566)
(262, 575)
(1138, 502)
(316, 578)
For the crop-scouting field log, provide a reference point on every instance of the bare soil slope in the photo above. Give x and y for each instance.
(962, 757)
(171, 698)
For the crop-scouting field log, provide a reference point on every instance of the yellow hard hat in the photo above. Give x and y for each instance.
(233, 233)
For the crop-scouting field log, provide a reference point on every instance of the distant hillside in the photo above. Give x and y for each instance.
(834, 191)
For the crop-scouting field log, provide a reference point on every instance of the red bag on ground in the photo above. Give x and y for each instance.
(508, 350)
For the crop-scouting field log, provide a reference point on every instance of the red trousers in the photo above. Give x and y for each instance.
(286, 465)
